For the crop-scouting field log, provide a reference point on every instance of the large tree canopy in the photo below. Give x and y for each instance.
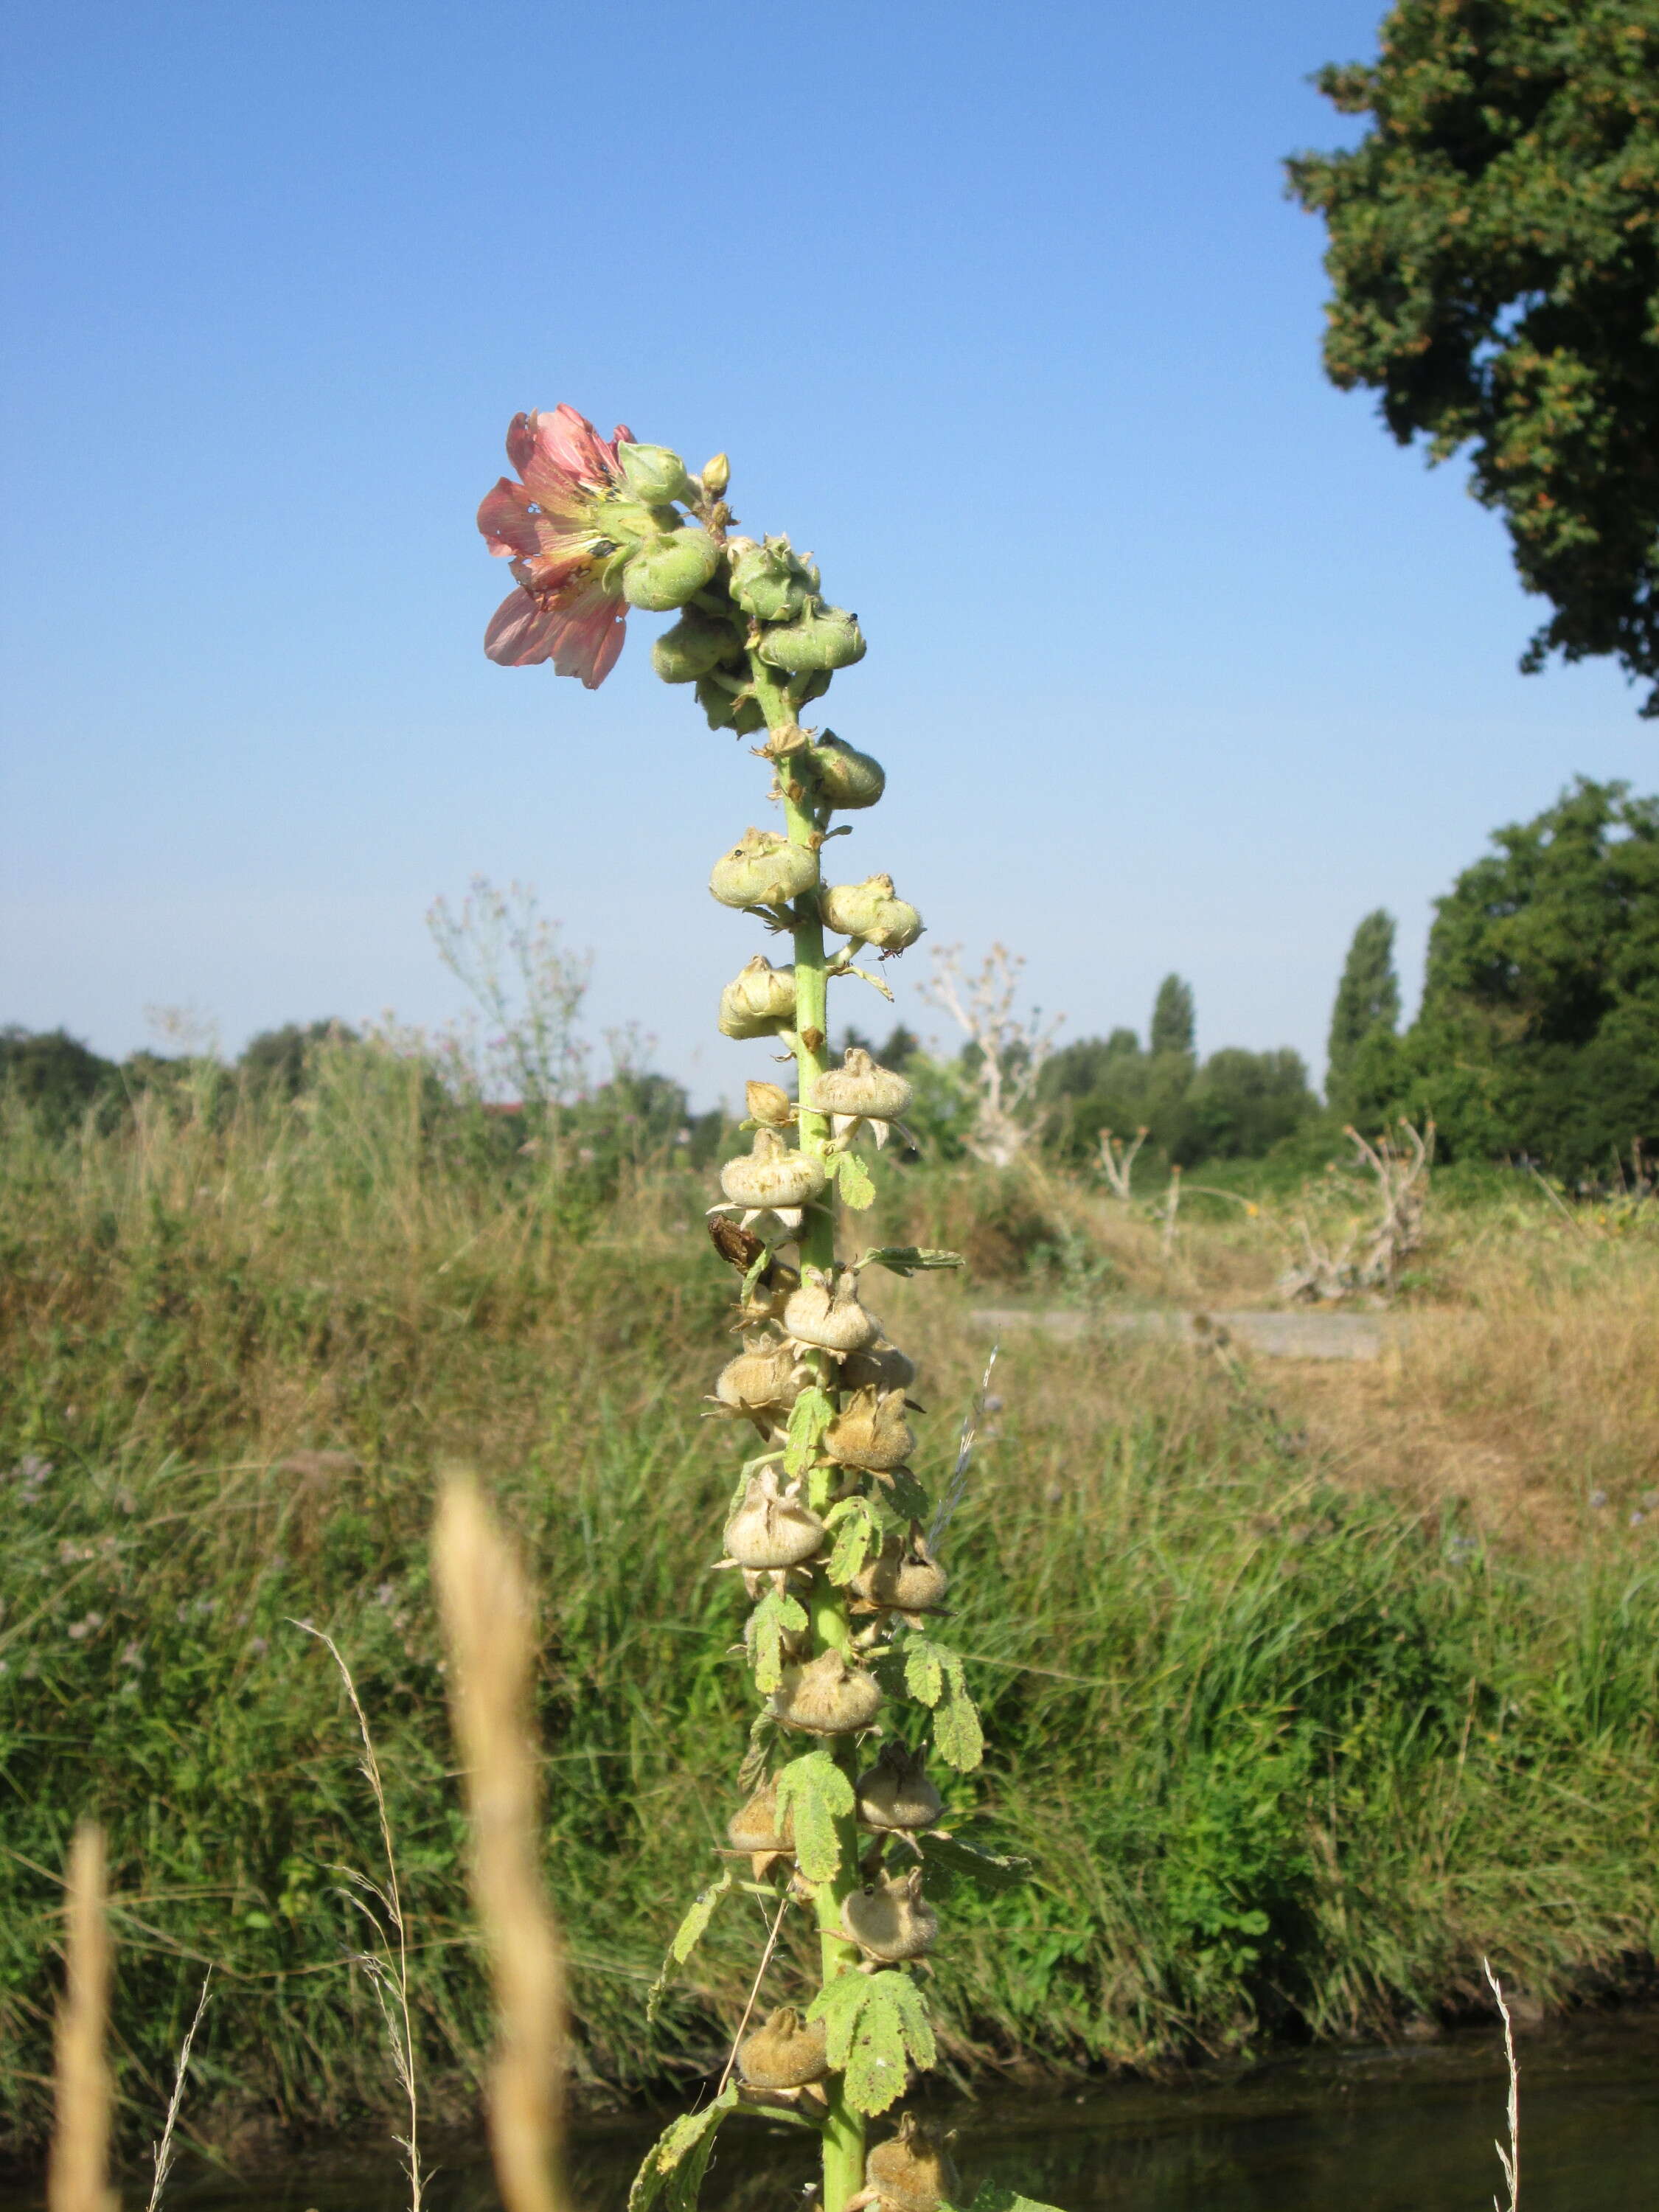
(1494, 255)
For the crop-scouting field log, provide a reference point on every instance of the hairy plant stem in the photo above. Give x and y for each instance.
(843, 2128)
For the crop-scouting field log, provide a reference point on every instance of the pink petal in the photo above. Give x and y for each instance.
(591, 629)
(506, 521)
(521, 441)
(521, 631)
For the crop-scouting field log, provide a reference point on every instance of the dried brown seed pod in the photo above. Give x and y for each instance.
(859, 1087)
(828, 1696)
(764, 1378)
(913, 2171)
(771, 1174)
(785, 2052)
(870, 1431)
(904, 1577)
(826, 1312)
(769, 1104)
(890, 1920)
(882, 1363)
(769, 1530)
(896, 1796)
(755, 1826)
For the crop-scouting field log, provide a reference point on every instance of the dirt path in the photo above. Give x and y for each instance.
(1306, 1333)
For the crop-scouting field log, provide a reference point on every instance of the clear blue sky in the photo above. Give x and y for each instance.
(1176, 660)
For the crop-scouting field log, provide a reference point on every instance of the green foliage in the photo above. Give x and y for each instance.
(857, 1191)
(1539, 1027)
(857, 1535)
(876, 2027)
(1242, 1103)
(1175, 1022)
(1494, 261)
(813, 1791)
(809, 1417)
(685, 1940)
(937, 1679)
(1237, 1105)
(53, 1074)
(1367, 1000)
(676, 2163)
(774, 1619)
(280, 1059)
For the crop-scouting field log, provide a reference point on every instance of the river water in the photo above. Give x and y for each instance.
(1368, 2130)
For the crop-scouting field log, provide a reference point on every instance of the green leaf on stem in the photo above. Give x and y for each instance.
(815, 1791)
(905, 1494)
(809, 1417)
(774, 1618)
(907, 1258)
(675, 2164)
(687, 1937)
(876, 2028)
(937, 1678)
(761, 1730)
(856, 1189)
(998, 2196)
(959, 1862)
(858, 1535)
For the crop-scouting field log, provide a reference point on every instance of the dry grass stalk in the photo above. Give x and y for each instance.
(389, 1985)
(77, 2177)
(162, 2153)
(1510, 2159)
(487, 1616)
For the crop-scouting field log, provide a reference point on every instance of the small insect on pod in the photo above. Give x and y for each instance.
(828, 1696)
(763, 869)
(890, 1920)
(846, 779)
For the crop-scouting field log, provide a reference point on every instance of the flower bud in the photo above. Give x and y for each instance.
(759, 1000)
(693, 647)
(668, 570)
(763, 869)
(858, 1086)
(724, 710)
(890, 1920)
(911, 2171)
(882, 1363)
(654, 475)
(767, 580)
(870, 910)
(770, 1174)
(846, 778)
(827, 1314)
(716, 475)
(896, 1795)
(904, 1577)
(762, 1379)
(785, 2052)
(828, 1696)
(769, 1105)
(770, 1531)
(870, 1431)
(820, 637)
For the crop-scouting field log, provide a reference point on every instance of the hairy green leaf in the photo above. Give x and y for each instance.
(876, 2028)
(936, 1677)
(958, 1860)
(907, 1258)
(815, 1791)
(675, 2164)
(907, 1497)
(774, 1618)
(809, 1417)
(687, 1937)
(924, 1670)
(857, 1538)
(856, 1189)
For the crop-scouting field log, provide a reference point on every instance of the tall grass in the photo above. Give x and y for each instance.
(1289, 1752)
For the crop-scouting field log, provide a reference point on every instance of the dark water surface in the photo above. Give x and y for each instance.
(1363, 2131)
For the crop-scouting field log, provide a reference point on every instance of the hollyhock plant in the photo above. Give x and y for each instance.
(836, 1812)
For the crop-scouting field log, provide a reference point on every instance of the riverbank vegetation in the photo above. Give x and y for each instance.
(1320, 1683)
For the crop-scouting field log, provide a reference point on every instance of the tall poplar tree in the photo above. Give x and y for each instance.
(1174, 1021)
(1367, 999)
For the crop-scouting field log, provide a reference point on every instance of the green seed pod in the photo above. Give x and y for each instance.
(770, 1174)
(821, 637)
(828, 1314)
(828, 1696)
(904, 1577)
(890, 1920)
(845, 778)
(870, 1432)
(755, 1826)
(785, 2052)
(654, 474)
(763, 869)
(858, 1086)
(894, 1795)
(882, 1363)
(759, 1001)
(670, 569)
(691, 648)
(911, 2171)
(769, 1530)
(723, 709)
(767, 580)
(870, 910)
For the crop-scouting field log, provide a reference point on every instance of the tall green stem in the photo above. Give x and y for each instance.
(843, 2128)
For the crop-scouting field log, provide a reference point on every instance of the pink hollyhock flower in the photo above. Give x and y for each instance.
(566, 609)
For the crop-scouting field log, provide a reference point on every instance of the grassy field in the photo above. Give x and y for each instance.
(1305, 1689)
